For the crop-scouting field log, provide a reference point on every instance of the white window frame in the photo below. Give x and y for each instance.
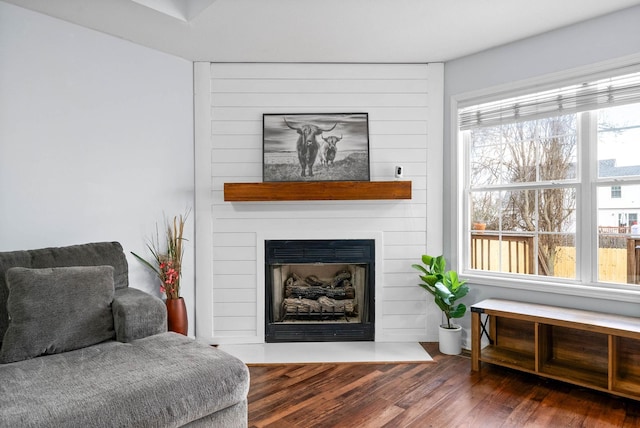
(585, 284)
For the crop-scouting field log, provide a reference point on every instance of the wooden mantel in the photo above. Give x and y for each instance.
(317, 191)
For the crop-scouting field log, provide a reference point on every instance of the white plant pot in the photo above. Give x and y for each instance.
(450, 339)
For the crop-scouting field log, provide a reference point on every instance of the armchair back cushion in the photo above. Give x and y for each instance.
(54, 310)
(93, 254)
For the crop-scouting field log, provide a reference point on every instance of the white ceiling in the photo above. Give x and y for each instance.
(324, 31)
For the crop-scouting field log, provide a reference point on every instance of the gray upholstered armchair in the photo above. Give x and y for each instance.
(80, 348)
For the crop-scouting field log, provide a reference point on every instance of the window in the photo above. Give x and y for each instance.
(616, 192)
(622, 220)
(552, 182)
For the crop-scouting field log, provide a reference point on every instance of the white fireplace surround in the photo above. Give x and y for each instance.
(404, 103)
(377, 237)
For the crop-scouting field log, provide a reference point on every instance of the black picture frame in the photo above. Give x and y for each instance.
(336, 147)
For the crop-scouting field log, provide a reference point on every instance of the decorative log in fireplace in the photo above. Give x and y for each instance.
(312, 287)
(316, 292)
(323, 308)
(313, 298)
(319, 290)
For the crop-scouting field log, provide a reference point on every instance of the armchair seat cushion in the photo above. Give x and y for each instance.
(166, 380)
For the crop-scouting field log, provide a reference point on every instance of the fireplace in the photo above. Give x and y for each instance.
(319, 290)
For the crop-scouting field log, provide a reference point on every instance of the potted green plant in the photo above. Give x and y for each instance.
(446, 289)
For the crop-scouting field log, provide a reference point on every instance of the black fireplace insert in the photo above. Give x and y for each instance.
(319, 290)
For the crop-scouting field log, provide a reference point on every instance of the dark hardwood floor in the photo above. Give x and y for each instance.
(443, 393)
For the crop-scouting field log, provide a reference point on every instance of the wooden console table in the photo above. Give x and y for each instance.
(591, 349)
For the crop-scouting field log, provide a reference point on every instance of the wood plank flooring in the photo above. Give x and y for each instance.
(441, 394)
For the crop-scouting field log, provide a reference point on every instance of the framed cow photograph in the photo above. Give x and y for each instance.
(315, 147)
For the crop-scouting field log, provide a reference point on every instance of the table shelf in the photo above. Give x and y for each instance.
(508, 358)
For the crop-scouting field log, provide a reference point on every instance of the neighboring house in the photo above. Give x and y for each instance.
(619, 205)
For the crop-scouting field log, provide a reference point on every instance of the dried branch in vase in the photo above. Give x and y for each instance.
(167, 258)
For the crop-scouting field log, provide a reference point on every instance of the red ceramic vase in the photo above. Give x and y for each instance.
(177, 316)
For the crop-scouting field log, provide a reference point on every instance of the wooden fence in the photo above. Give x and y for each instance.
(633, 260)
(616, 265)
(514, 252)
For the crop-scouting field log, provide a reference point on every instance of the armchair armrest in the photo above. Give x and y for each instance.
(137, 314)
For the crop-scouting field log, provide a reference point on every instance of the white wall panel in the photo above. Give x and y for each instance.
(234, 281)
(399, 102)
(345, 86)
(388, 113)
(239, 295)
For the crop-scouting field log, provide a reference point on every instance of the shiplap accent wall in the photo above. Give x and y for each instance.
(404, 103)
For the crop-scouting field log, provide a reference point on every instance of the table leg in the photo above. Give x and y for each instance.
(475, 341)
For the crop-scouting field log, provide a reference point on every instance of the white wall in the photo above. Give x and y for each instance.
(580, 45)
(96, 140)
(404, 103)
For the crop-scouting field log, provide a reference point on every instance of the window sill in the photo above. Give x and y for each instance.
(628, 293)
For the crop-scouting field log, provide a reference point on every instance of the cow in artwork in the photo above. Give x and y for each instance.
(328, 149)
(307, 144)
